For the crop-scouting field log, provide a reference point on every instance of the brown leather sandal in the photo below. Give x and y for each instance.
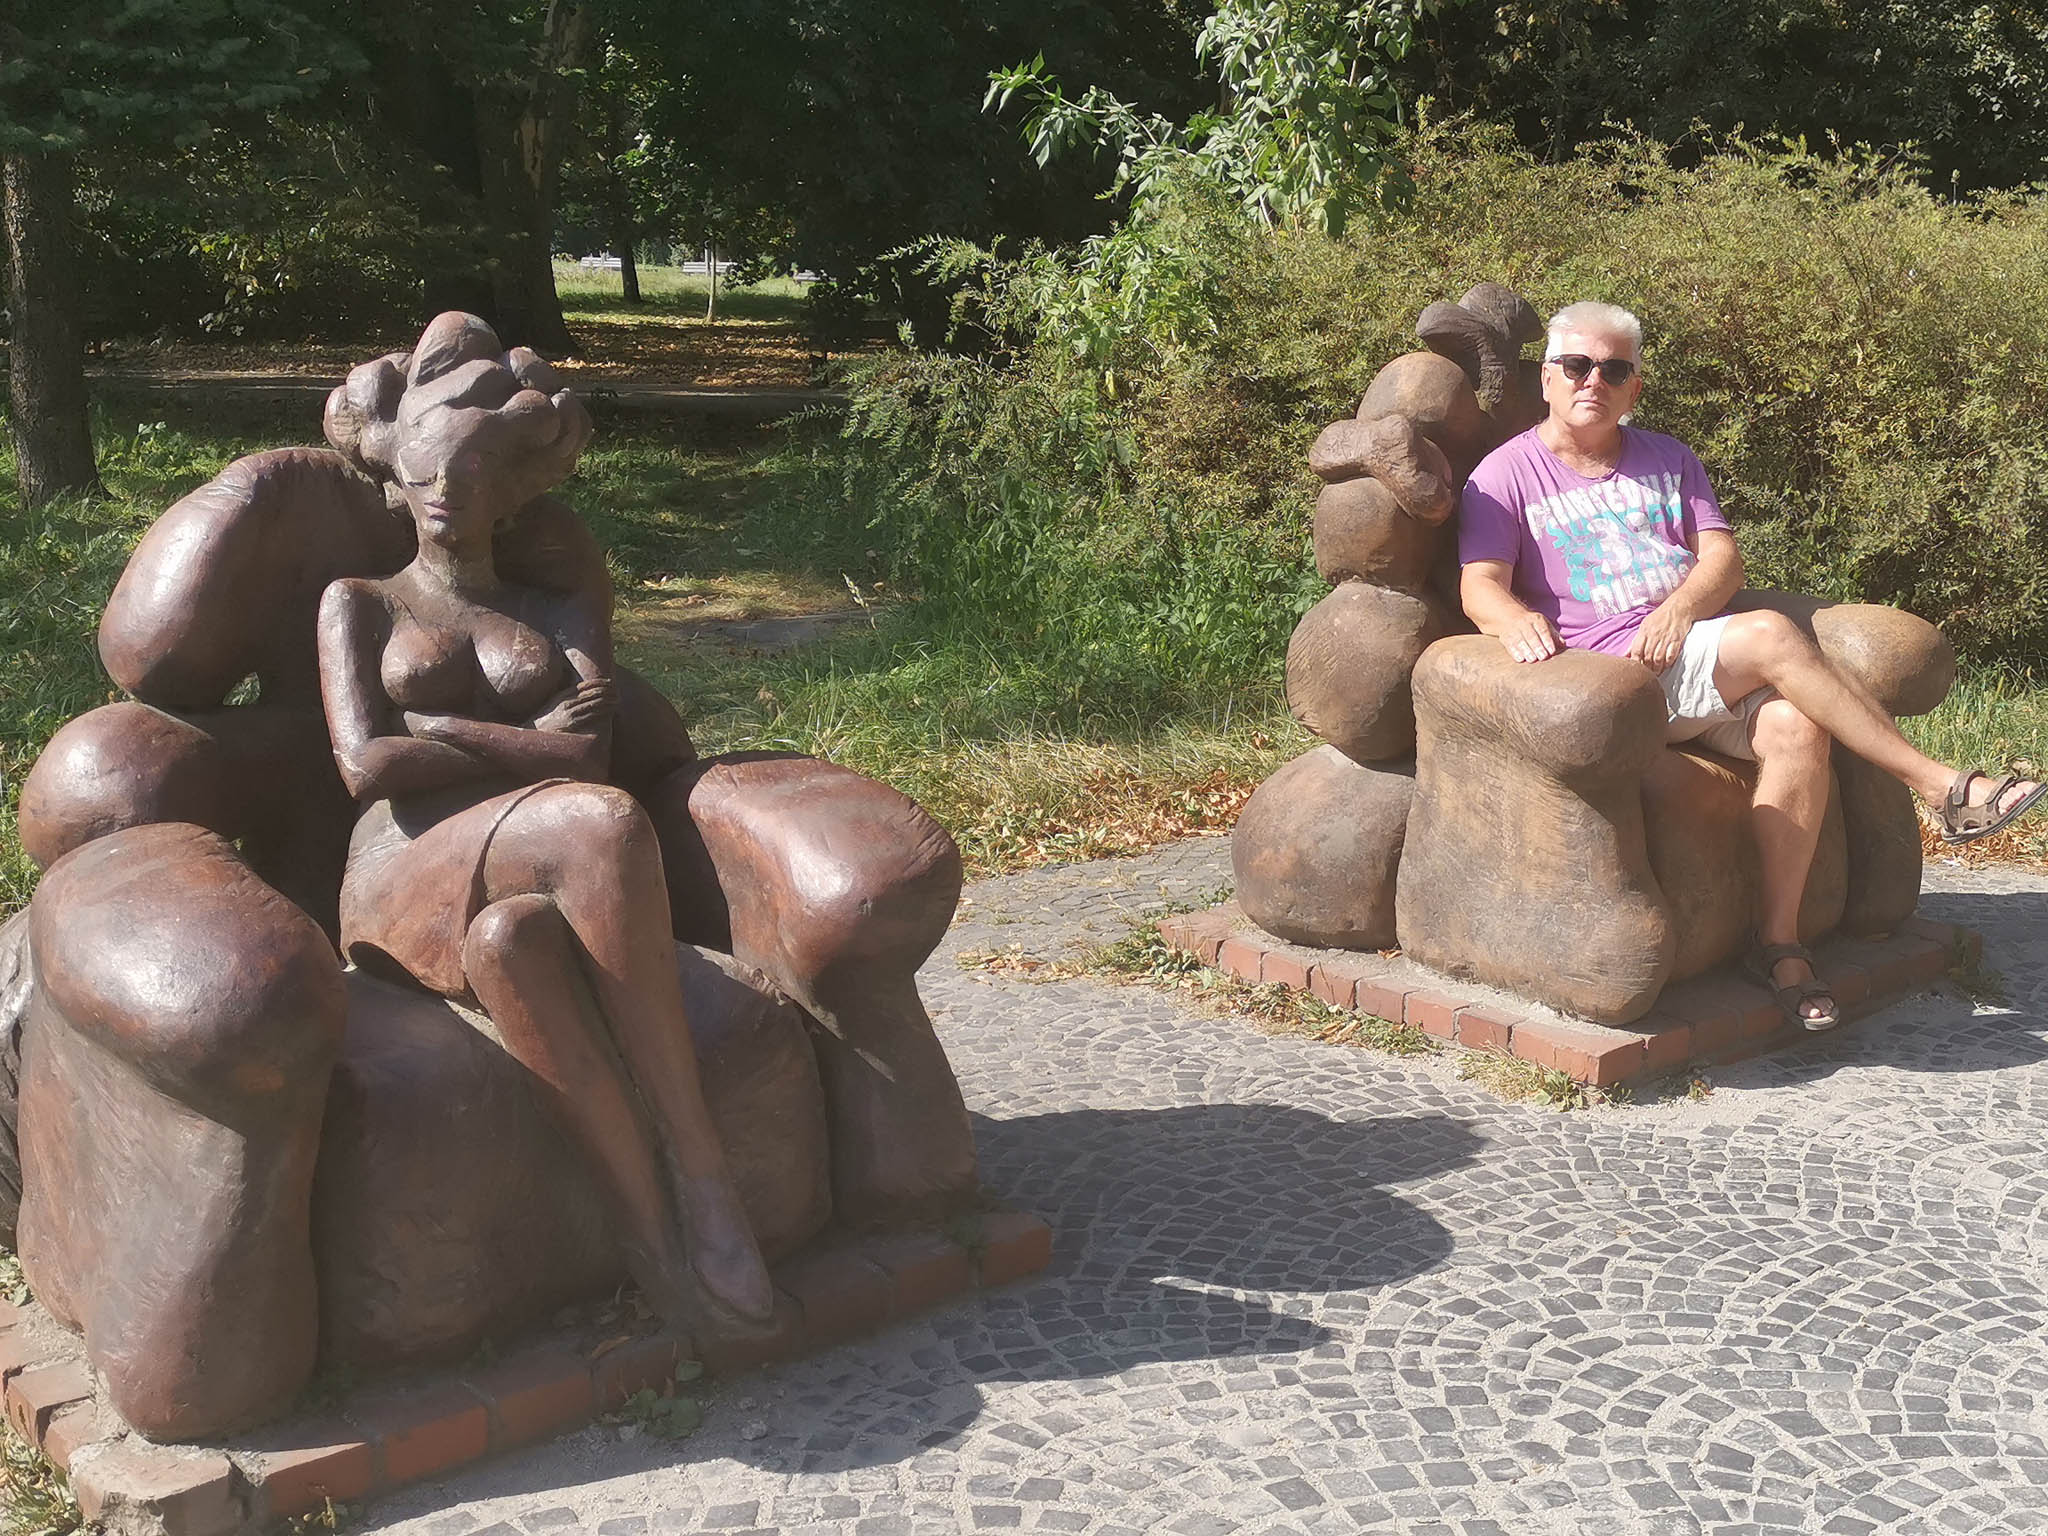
(1962, 822)
(1790, 995)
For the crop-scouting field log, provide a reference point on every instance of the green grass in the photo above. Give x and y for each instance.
(1023, 756)
(35, 1500)
(670, 291)
(1024, 762)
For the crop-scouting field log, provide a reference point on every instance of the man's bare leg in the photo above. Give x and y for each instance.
(1767, 650)
(1791, 797)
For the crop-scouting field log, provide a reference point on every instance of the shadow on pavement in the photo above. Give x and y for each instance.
(1163, 1221)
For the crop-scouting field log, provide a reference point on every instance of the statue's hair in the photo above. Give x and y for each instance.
(1589, 317)
(458, 364)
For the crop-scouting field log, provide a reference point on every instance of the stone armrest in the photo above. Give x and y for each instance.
(1585, 712)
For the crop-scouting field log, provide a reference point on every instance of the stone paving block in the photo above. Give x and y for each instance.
(20, 1349)
(924, 1267)
(133, 1488)
(1013, 1244)
(1432, 1012)
(618, 1370)
(1956, 943)
(416, 1433)
(1910, 963)
(535, 1393)
(35, 1394)
(298, 1468)
(839, 1293)
(1204, 932)
(1667, 1043)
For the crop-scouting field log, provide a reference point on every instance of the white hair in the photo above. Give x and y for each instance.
(1589, 317)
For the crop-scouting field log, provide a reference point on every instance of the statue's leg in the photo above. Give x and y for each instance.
(837, 888)
(522, 962)
(593, 853)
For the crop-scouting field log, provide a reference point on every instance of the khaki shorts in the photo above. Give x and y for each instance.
(1697, 711)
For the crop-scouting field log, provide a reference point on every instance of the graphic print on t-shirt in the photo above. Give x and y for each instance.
(1622, 540)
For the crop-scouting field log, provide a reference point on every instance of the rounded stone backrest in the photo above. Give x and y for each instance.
(1391, 476)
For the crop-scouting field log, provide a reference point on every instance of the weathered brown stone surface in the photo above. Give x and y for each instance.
(1881, 834)
(182, 1016)
(1526, 865)
(1392, 451)
(17, 984)
(1484, 333)
(262, 775)
(247, 555)
(184, 1023)
(1433, 393)
(1348, 667)
(1697, 819)
(1317, 849)
(1361, 534)
(836, 888)
(449, 1208)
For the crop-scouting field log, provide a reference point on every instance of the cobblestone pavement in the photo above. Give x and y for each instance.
(1308, 1288)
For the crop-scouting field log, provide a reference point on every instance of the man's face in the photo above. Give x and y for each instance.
(1591, 402)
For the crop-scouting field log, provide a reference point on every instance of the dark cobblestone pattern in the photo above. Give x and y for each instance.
(1300, 1288)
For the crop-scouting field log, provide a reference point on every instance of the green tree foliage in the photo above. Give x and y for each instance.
(833, 132)
(138, 78)
(152, 75)
(1309, 109)
(1862, 365)
(1965, 80)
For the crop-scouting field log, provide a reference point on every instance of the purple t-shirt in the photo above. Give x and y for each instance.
(1594, 555)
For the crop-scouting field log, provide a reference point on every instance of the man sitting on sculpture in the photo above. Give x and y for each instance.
(1586, 532)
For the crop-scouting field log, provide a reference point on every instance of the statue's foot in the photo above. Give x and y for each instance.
(729, 1270)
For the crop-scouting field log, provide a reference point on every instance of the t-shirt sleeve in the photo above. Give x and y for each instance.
(1702, 506)
(1488, 528)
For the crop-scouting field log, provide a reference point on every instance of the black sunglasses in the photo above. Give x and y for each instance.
(1614, 371)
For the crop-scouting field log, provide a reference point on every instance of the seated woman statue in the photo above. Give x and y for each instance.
(471, 718)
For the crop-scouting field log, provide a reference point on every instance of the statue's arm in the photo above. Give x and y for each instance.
(374, 762)
(572, 737)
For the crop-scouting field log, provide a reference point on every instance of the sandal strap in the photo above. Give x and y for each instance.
(1769, 955)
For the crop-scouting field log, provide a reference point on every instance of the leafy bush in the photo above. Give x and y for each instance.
(1121, 483)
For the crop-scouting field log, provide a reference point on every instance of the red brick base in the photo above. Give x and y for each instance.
(1713, 1018)
(382, 1439)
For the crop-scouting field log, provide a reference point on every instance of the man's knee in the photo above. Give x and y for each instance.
(1783, 733)
(1764, 645)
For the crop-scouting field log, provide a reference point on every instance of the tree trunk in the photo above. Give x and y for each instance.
(711, 274)
(623, 232)
(520, 149)
(46, 355)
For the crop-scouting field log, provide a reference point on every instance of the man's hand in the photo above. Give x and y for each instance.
(1661, 639)
(1530, 637)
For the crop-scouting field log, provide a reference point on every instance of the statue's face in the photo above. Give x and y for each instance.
(462, 472)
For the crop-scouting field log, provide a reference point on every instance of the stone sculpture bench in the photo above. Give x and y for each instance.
(1526, 826)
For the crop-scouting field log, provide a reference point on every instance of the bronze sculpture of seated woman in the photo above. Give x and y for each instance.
(373, 708)
(471, 719)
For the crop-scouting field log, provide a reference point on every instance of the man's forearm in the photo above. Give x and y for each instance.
(1715, 579)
